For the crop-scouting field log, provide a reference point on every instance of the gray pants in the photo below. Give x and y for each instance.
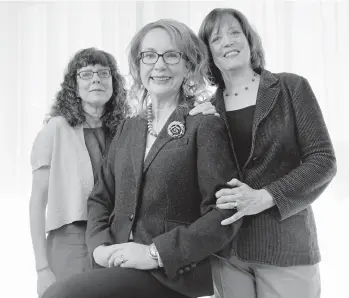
(237, 279)
(67, 250)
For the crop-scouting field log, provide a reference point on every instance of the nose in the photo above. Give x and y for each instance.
(228, 40)
(160, 64)
(96, 78)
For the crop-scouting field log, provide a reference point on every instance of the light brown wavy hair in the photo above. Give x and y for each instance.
(254, 41)
(194, 52)
(68, 103)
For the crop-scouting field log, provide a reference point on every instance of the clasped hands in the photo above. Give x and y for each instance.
(246, 200)
(126, 255)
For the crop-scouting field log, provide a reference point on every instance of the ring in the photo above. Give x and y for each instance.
(235, 205)
(122, 260)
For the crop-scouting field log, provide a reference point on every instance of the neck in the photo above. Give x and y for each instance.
(93, 115)
(236, 78)
(162, 108)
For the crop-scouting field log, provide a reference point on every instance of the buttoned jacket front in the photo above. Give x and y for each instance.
(168, 199)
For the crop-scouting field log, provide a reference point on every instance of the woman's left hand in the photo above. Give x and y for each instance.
(205, 108)
(246, 200)
(132, 255)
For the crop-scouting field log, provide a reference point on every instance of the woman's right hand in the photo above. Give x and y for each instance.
(45, 279)
(102, 253)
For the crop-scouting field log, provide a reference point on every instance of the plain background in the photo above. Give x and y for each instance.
(37, 39)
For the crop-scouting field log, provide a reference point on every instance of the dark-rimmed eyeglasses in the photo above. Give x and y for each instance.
(170, 57)
(88, 74)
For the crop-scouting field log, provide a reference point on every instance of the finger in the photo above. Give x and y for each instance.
(235, 182)
(225, 206)
(232, 219)
(199, 108)
(228, 199)
(209, 112)
(226, 192)
(119, 261)
(112, 259)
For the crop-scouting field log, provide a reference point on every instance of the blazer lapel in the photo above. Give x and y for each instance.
(163, 138)
(139, 137)
(266, 99)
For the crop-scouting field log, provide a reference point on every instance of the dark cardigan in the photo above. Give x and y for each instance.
(292, 157)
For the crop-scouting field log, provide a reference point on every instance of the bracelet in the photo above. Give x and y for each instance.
(42, 268)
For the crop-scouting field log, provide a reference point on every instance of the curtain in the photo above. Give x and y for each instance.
(310, 38)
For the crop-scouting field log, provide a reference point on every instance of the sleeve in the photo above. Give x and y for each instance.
(300, 187)
(100, 203)
(42, 148)
(190, 244)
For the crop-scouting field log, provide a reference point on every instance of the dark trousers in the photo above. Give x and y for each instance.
(114, 282)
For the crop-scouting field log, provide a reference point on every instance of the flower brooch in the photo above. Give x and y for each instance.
(176, 129)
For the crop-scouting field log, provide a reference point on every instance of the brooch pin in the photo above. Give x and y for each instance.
(176, 129)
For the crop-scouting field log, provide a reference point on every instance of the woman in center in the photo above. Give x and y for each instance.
(152, 219)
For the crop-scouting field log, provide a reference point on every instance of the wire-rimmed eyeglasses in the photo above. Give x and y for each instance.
(170, 57)
(88, 74)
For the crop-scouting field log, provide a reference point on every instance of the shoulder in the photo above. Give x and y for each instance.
(205, 121)
(288, 78)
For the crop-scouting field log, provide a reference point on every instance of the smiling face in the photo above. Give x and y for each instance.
(161, 79)
(95, 91)
(229, 46)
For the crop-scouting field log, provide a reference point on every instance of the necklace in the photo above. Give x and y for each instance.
(150, 121)
(245, 88)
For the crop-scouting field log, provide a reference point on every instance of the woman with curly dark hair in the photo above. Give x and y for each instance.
(65, 158)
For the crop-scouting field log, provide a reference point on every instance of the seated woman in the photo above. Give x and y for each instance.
(152, 219)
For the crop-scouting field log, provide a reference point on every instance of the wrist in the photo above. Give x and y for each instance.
(267, 198)
(154, 254)
(42, 268)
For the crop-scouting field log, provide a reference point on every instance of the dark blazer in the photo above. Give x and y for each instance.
(292, 157)
(168, 199)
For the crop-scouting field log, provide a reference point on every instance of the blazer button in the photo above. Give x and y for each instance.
(193, 265)
(187, 268)
(180, 271)
(131, 216)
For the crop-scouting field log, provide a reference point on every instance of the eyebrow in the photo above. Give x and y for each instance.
(217, 31)
(152, 49)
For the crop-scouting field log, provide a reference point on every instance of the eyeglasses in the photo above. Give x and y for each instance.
(170, 57)
(88, 74)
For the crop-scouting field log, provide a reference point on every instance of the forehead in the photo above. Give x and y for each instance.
(159, 40)
(94, 67)
(224, 22)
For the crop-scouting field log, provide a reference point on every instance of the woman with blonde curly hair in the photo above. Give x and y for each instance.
(65, 157)
(152, 220)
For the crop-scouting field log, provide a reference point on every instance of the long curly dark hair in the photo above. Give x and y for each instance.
(68, 103)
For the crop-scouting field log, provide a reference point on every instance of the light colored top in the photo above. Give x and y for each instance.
(63, 149)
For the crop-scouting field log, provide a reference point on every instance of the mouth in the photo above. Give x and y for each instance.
(96, 90)
(231, 53)
(160, 79)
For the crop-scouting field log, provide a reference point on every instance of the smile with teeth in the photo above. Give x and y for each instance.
(161, 78)
(231, 53)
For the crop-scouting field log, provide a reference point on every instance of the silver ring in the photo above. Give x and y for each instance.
(122, 260)
(235, 205)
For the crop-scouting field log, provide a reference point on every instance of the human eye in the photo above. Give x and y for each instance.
(104, 73)
(85, 75)
(235, 33)
(216, 39)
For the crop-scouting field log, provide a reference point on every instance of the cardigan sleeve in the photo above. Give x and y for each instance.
(185, 245)
(100, 203)
(42, 148)
(300, 187)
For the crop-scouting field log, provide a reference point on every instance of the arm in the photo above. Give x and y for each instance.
(298, 189)
(37, 208)
(100, 203)
(184, 245)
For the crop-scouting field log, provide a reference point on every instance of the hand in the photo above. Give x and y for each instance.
(246, 200)
(102, 253)
(132, 255)
(205, 108)
(45, 278)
